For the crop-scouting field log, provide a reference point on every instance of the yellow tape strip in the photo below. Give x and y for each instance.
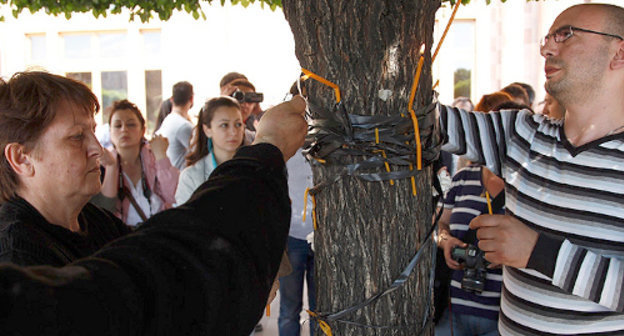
(414, 193)
(411, 109)
(324, 81)
(314, 212)
(319, 160)
(376, 135)
(448, 26)
(324, 325)
(436, 84)
(268, 310)
(383, 153)
(489, 203)
(305, 204)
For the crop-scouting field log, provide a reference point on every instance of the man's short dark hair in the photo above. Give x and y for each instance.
(529, 91)
(230, 77)
(182, 92)
(517, 91)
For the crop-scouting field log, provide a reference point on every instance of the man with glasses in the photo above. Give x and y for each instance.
(562, 239)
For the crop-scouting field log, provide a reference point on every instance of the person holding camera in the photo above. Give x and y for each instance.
(561, 239)
(244, 91)
(474, 288)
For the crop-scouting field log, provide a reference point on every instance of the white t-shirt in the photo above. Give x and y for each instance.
(178, 131)
(137, 192)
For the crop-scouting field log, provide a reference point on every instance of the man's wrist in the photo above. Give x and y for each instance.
(443, 236)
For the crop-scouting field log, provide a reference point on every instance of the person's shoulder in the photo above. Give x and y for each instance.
(467, 172)
(15, 212)
(196, 170)
(104, 220)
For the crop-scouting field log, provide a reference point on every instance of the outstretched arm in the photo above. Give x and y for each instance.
(203, 268)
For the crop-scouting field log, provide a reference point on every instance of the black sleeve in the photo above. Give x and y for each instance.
(544, 255)
(204, 268)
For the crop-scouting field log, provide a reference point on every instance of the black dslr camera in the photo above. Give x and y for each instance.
(475, 267)
(247, 97)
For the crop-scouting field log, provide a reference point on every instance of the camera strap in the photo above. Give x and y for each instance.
(497, 205)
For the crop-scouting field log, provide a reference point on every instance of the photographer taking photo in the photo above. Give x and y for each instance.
(474, 289)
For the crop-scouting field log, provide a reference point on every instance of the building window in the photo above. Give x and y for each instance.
(462, 40)
(77, 46)
(38, 50)
(84, 77)
(153, 97)
(151, 43)
(114, 87)
(113, 44)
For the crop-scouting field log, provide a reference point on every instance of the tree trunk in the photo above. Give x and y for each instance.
(368, 231)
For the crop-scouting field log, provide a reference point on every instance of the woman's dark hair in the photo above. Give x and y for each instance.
(489, 101)
(29, 102)
(199, 144)
(163, 112)
(126, 105)
(511, 105)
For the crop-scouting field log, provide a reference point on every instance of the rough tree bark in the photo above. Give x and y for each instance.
(368, 231)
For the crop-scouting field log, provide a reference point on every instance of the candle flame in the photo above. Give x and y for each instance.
(422, 49)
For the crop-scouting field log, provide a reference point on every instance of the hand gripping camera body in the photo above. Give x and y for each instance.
(475, 267)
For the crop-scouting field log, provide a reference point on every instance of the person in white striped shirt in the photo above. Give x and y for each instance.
(562, 238)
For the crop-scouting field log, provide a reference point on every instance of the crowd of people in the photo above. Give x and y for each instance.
(185, 233)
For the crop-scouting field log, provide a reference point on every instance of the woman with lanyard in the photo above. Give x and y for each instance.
(139, 180)
(219, 133)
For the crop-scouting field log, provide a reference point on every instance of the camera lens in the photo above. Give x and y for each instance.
(238, 95)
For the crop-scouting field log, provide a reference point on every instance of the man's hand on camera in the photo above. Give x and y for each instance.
(284, 127)
(446, 243)
(504, 239)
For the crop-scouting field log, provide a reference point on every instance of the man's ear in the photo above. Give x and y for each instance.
(618, 59)
(19, 159)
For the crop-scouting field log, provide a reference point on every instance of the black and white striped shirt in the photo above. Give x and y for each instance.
(574, 198)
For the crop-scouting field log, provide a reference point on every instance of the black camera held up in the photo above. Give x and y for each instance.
(475, 267)
(247, 97)
(473, 259)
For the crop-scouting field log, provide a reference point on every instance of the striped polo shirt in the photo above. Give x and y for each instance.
(574, 198)
(466, 199)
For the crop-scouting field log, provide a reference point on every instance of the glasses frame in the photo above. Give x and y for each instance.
(571, 29)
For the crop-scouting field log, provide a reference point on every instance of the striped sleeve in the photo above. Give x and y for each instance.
(479, 137)
(590, 275)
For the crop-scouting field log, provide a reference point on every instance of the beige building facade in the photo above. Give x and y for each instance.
(488, 47)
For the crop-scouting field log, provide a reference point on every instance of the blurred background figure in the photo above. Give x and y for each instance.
(518, 94)
(139, 180)
(217, 136)
(552, 108)
(529, 91)
(177, 126)
(163, 111)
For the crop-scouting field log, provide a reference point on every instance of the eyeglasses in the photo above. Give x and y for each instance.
(564, 33)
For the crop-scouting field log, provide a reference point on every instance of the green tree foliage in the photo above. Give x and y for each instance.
(462, 83)
(143, 9)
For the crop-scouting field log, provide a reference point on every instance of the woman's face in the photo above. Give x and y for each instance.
(126, 129)
(226, 129)
(66, 158)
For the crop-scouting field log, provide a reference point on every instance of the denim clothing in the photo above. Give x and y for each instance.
(466, 325)
(291, 287)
